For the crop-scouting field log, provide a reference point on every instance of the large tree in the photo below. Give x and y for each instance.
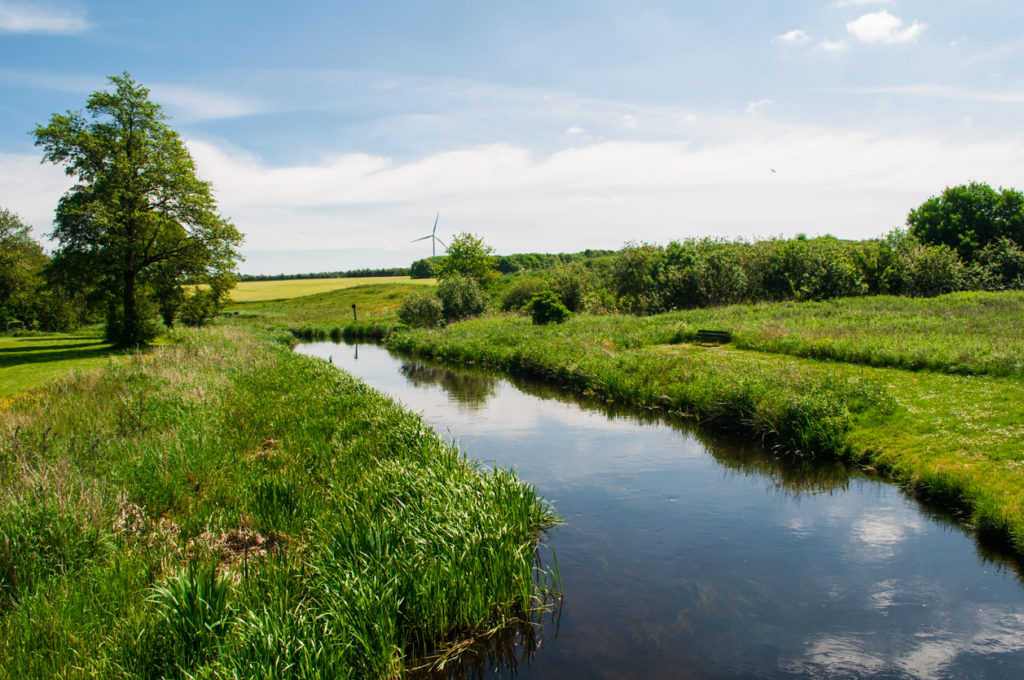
(969, 217)
(138, 223)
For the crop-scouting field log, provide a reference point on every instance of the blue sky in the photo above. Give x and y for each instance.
(333, 132)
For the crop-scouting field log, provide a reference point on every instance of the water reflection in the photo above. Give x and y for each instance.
(689, 553)
(471, 390)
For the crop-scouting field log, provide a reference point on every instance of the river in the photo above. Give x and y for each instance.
(688, 554)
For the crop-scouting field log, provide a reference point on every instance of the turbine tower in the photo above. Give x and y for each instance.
(434, 240)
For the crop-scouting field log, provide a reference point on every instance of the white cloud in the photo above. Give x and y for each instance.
(756, 106)
(575, 130)
(847, 3)
(23, 18)
(882, 27)
(795, 36)
(830, 46)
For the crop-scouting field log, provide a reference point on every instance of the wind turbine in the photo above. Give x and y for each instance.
(434, 239)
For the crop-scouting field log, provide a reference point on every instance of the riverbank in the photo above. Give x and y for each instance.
(957, 440)
(223, 506)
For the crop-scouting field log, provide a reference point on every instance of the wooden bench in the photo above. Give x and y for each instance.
(713, 337)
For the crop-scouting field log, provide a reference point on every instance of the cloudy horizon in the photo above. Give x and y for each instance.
(552, 127)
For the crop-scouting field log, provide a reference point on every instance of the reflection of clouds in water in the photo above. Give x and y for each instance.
(928, 656)
(884, 595)
(997, 632)
(840, 655)
(882, 534)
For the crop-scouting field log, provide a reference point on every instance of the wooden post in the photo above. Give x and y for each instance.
(354, 312)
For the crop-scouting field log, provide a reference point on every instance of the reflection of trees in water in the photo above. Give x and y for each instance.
(791, 474)
(506, 650)
(471, 389)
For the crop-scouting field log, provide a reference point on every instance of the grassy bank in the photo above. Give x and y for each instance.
(956, 439)
(226, 508)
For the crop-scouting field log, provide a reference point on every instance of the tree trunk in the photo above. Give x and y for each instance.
(131, 335)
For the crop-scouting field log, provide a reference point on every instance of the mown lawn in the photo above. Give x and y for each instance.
(29, 361)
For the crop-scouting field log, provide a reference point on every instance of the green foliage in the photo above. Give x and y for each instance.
(522, 291)
(467, 255)
(192, 616)
(573, 283)
(547, 308)
(25, 300)
(969, 217)
(138, 216)
(425, 268)
(198, 308)
(461, 297)
(421, 310)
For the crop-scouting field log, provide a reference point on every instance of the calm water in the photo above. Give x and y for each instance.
(685, 555)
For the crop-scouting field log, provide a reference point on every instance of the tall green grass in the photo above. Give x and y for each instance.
(225, 508)
(974, 333)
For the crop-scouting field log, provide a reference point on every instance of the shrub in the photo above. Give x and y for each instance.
(547, 308)
(521, 292)
(572, 283)
(198, 308)
(461, 297)
(421, 310)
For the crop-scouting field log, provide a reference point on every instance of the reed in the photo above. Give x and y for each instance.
(226, 508)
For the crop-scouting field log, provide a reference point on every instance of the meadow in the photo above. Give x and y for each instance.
(223, 507)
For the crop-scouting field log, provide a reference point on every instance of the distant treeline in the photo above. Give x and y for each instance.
(511, 264)
(350, 274)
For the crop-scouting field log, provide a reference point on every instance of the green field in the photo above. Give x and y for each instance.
(251, 291)
(224, 506)
(376, 303)
(28, 361)
(958, 439)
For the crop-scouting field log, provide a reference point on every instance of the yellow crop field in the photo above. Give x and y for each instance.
(252, 291)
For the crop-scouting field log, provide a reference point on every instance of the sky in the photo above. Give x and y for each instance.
(334, 133)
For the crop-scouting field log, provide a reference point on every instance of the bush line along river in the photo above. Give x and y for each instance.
(684, 554)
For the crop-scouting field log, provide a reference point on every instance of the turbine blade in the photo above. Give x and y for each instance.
(422, 238)
(441, 242)
(436, 218)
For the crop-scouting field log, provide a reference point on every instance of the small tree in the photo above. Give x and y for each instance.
(968, 217)
(137, 213)
(547, 308)
(467, 255)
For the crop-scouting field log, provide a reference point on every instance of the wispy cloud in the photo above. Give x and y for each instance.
(25, 18)
(882, 27)
(757, 105)
(202, 103)
(832, 46)
(933, 91)
(796, 36)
